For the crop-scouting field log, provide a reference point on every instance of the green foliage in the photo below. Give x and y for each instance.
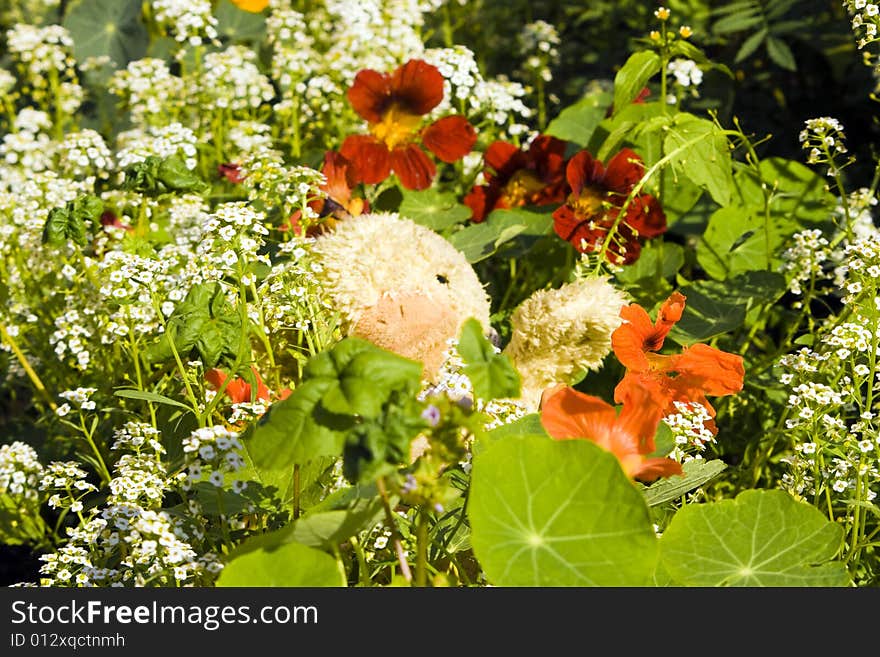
(696, 474)
(577, 122)
(356, 400)
(432, 208)
(699, 148)
(289, 565)
(205, 324)
(761, 538)
(539, 515)
(633, 76)
(492, 374)
(718, 307)
(480, 241)
(107, 27)
(156, 175)
(69, 222)
(766, 22)
(769, 205)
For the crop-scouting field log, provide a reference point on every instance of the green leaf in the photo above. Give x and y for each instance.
(658, 260)
(293, 432)
(361, 377)
(480, 241)
(717, 307)
(528, 425)
(322, 528)
(289, 565)
(780, 53)
(145, 395)
(107, 27)
(696, 473)
(577, 122)
(356, 400)
(156, 175)
(761, 538)
(237, 25)
(747, 15)
(558, 513)
(492, 374)
(434, 209)
(204, 322)
(633, 76)
(700, 150)
(68, 222)
(750, 45)
(736, 239)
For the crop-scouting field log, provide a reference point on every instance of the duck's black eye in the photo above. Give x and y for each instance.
(442, 279)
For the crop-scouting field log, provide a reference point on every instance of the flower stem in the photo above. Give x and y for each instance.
(395, 534)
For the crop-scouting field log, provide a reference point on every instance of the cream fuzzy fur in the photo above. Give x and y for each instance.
(559, 333)
(374, 261)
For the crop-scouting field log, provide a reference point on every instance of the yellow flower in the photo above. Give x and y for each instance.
(662, 13)
(685, 31)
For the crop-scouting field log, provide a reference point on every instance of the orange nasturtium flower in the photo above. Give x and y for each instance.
(568, 414)
(394, 106)
(253, 6)
(699, 370)
(338, 203)
(238, 390)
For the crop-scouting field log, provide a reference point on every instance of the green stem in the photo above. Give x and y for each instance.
(395, 534)
(104, 471)
(421, 578)
(363, 572)
(26, 366)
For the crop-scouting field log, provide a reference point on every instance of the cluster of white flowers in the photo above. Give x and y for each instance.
(686, 72)
(235, 231)
(67, 483)
(691, 427)
(42, 52)
(275, 185)
(187, 21)
(151, 92)
(173, 139)
(231, 80)
(130, 541)
(865, 20)
(538, 44)
(803, 260)
(210, 454)
(452, 382)
(823, 139)
(294, 301)
(498, 100)
(20, 474)
(247, 138)
(83, 154)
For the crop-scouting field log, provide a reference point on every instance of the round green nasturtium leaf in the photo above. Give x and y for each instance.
(761, 538)
(290, 565)
(107, 27)
(558, 513)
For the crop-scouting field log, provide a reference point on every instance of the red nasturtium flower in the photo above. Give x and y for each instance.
(598, 193)
(568, 414)
(238, 390)
(231, 171)
(699, 370)
(517, 178)
(394, 106)
(338, 204)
